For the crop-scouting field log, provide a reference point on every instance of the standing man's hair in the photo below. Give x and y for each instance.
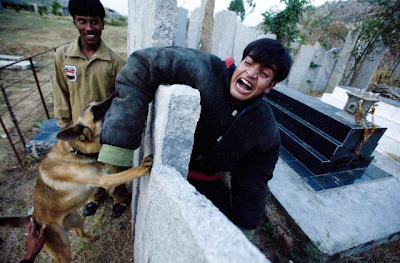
(272, 54)
(86, 8)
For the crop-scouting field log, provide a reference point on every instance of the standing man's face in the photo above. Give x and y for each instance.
(90, 29)
(250, 79)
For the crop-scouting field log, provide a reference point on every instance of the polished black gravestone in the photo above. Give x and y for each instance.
(320, 144)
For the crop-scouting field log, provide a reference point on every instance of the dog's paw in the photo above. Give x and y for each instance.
(88, 237)
(82, 234)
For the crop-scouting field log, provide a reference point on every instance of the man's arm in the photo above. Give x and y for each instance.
(136, 85)
(62, 107)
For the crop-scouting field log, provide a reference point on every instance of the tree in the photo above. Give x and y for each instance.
(324, 25)
(284, 23)
(55, 6)
(383, 23)
(238, 7)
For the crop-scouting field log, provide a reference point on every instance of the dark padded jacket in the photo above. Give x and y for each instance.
(250, 141)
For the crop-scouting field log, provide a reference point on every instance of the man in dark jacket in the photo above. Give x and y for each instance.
(237, 131)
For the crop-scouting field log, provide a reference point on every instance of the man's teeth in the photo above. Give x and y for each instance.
(246, 83)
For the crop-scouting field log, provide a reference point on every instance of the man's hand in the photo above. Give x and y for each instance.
(34, 243)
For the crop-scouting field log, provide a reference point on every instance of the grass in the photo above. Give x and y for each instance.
(26, 34)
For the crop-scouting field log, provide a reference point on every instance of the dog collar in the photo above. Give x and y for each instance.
(90, 155)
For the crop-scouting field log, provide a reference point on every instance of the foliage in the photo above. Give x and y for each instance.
(239, 8)
(326, 27)
(284, 23)
(314, 65)
(55, 6)
(381, 24)
(116, 22)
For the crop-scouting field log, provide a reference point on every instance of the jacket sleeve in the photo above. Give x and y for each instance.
(62, 106)
(135, 88)
(250, 187)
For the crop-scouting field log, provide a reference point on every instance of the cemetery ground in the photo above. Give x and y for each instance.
(27, 34)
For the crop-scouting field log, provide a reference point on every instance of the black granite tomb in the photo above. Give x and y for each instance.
(318, 142)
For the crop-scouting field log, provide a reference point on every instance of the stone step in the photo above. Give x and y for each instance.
(307, 155)
(311, 110)
(314, 137)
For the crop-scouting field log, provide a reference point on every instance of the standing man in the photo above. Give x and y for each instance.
(237, 131)
(86, 71)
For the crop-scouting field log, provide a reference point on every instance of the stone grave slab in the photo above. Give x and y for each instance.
(319, 144)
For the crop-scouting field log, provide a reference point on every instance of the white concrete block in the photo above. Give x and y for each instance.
(180, 225)
(345, 219)
(176, 111)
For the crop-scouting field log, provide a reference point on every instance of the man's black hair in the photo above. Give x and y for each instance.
(86, 8)
(272, 54)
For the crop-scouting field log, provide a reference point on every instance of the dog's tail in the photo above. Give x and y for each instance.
(14, 221)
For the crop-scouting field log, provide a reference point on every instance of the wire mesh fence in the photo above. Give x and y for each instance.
(27, 101)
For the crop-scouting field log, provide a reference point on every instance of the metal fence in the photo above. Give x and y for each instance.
(27, 96)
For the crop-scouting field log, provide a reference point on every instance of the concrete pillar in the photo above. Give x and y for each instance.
(369, 65)
(181, 27)
(243, 36)
(207, 28)
(340, 66)
(195, 26)
(151, 23)
(300, 66)
(224, 33)
(320, 71)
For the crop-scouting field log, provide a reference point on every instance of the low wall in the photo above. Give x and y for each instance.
(172, 221)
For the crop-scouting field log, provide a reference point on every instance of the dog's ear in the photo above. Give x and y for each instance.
(74, 133)
(99, 110)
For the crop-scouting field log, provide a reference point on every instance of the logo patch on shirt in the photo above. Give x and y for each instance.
(70, 72)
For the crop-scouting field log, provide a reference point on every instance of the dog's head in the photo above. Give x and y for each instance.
(89, 123)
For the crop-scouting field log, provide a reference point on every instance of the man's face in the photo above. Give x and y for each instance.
(250, 79)
(90, 28)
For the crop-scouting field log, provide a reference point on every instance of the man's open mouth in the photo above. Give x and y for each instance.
(243, 85)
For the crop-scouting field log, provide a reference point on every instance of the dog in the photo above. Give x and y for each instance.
(68, 175)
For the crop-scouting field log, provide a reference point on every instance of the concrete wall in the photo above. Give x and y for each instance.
(173, 222)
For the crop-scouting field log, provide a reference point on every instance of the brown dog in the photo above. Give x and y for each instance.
(68, 176)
